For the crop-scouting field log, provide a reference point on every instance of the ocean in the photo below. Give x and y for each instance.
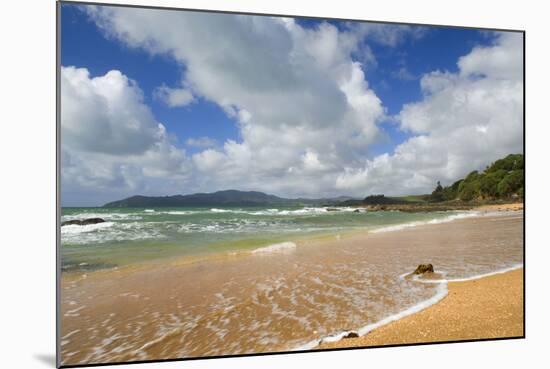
(162, 283)
(134, 235)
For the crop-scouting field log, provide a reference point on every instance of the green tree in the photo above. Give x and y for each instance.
(511, 183)
(511, 162)
(468, 191)
(489, 182)
(437, 194)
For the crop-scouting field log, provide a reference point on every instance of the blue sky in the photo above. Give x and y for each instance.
(392, 61)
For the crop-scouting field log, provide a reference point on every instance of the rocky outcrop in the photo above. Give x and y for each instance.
(83, 221)
(351, 335)
(420, 208)
(424, 268)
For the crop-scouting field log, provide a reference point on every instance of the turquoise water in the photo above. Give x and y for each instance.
(134, 235)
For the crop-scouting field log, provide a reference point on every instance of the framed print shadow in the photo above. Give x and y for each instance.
(245, 184)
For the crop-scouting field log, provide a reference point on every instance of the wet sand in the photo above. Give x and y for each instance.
(277, 302)
(489, 307)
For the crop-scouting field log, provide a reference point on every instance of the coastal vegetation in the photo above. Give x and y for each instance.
(502, 180)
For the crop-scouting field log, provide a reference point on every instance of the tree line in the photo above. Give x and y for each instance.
(504, 179)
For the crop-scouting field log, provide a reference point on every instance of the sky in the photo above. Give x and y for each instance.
(162, 102)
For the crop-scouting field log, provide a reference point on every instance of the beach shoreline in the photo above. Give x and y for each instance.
(359, 273)
(515, 206)
(472, 309)
(299, 240)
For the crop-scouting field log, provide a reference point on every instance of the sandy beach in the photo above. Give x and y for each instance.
(289, 297)
(489, 307)
(517, 206)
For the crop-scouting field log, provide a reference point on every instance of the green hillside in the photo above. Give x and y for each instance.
(502, 180)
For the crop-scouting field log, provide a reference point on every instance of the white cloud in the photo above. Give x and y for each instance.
(299, 99)
(208, 160)
(111, 143)
(465, 121)
(173, 97)
(105, 114)
(387, 34)
(311, 162)
(503, 60)
(305, 112)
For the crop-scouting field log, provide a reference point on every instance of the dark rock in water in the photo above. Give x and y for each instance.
(357, 211)
(351, 335)
(332, 209)
(83, 221)
(424, 268)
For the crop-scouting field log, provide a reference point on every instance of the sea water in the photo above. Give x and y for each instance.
(133, 235)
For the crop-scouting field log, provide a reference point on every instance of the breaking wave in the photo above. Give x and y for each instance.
(276, 248)
(440, 293)
(450, 218)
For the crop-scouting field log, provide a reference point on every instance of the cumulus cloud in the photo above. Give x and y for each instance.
(105, 114)
(111, 142)
(502, 60)
(301, 102)
(465, 121)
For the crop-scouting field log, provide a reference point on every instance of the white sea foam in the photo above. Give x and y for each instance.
(77, 229)
(449, 218)
(176, 212)
(70, 334)
(265, 212)
(74, 312)
(149, 211)
(215, 210)
(275, 248)
(105, 216)
(110, 231)
(314, 211)
(441, 292)
(284, 212)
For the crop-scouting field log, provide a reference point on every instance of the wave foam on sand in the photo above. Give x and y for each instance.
(447, 219)
(276, 248)
(441, 292)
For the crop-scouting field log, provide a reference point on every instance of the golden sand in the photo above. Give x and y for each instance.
(501, 207)
(490, 307)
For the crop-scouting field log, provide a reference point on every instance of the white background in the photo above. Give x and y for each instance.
(27, 192)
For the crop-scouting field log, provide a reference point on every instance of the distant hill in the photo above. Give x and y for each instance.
(219, 198)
